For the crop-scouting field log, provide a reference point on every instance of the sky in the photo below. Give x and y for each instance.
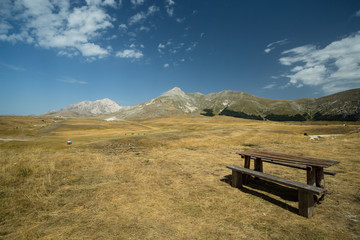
(56, 53)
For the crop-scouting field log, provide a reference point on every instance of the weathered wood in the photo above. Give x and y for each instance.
(282, 157)
(306, 203)
(283, 181)
(305, 192)
(328, 172)
(247, 162)
(258, 165)
(246, 165)
(236, 179)
(320, 181)
(310, 176)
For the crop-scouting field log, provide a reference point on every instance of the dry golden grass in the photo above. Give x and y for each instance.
(167, 179)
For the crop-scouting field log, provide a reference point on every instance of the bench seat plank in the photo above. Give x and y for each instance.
(287, 182)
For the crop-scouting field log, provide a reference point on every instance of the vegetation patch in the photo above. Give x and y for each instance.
(24, 172)
(340, 117)
(284, 117)
(208, 112)
(227, 112)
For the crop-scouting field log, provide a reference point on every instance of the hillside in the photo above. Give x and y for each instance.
(343, 106)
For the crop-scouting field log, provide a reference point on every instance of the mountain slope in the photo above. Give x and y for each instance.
(339, 106)
(103, 106)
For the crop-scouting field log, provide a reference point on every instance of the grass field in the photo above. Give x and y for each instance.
(167, 179)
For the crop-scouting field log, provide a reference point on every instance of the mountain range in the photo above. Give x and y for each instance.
(343, 106)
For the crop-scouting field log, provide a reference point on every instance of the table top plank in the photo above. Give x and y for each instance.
(288, 158)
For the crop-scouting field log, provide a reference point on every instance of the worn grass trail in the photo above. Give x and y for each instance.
(167, 179)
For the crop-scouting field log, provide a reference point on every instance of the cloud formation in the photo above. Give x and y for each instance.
(272, 46)
(357, 14)
(334, 68)
(54, 24)
(130, 53)
(141, 16)
(137, 2)
(71, 80)
(170, 7)
(13, 67)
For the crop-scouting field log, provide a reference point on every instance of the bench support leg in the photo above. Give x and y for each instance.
(237, 179)
(306, 203)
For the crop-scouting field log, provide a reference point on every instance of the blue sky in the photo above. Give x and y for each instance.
(56, 53)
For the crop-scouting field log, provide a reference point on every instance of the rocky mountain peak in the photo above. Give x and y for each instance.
(96, 107)
(174, 92)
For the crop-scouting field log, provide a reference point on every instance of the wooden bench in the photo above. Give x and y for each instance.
(305, 192)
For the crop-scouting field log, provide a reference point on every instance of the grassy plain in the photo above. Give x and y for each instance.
(166, 178)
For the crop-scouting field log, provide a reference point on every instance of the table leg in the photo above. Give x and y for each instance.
(320, 181)
(315, 177)
(258, 165)
(310, 176)
(246, 165)
(247, 162)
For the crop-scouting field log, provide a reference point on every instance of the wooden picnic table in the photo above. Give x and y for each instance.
(314, 166)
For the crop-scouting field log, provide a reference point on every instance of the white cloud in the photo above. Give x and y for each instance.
(180, 20)
(169, 7)
(269, 86)
(123, 27)
(170, 11)
(71, 80)
(111, 3)
(267, 50)
(170, 2)
(152, 9)
(129, 53)
(137, 2)
(90, 49)
(141, 16)
(143, 28)
(357, 13)
(192, 46)
(333, 68)
(161, 47)
(54, 24)
(137, 18)
(13, 67)
(272, 46)
(166, 65)
(111, 37)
